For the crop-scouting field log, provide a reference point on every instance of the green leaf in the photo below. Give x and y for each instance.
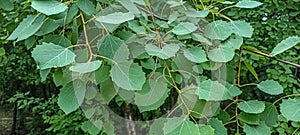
(57, 39)
(218, 126)
(184, 28)
(261, 129)
(200, 38)
(225, 52)
(58, 77)
(44, 73)
(49, 55)
(27, 28)
(269, 115)
(153, 93)
(206, 130)
(271, 87)
(156, 128)
(219, 30)
(128, 75)
(130, 6)
(2, 51)
(165, 52)
(179, 126)
(213, 91)
(249, 118)
(116, 18)
(86, 6)
(48, 7)
(6, 5)
(193, 13)
(290, 109)
(242, 28)
(252, 106)
(48, 26)
(93, 128)
(248, 4)
(71, 96)
(86, 67)
(108, 91)
(30, 42)
(251, 69)
(285, 45)
(195, 54)
(109, 46)
(102, 74)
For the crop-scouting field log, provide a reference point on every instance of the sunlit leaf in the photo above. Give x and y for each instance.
(290, 109)
(49, 55)
(48, 7)
(252, 106)
(248, 4)
(285, 45)
(271, 87)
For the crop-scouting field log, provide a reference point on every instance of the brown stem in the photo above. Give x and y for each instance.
(269, 56)
(237, 97)
(86, 36)
(149, 12)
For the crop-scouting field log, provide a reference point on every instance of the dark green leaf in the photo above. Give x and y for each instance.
(71, 96)
(269, 115)
(93, 128)
(48, 26)
(261, 129)
(86, 6)
(218, 126)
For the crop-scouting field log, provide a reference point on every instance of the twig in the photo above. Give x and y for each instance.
(269, 56)
(86, 37)
(149, 12)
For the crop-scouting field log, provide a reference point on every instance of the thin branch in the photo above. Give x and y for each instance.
(86, 36)
(269, 56)
(149, 12)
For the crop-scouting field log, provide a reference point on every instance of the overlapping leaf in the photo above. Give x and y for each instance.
(252, 106)
(219, 30)
(49, 55)
(71, 96)
(195, 54)
(165, 52)
(48, 7)
(290, 109)
(86, 67)
(27, 28)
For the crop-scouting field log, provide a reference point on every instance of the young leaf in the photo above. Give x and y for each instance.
(218, 126)
(48, 7)
(290, 109)
(165, 52)
(184, 28)
(271, 87)
(71, 96)
(269, 115)
(86, 67)
(219, 30)
(2, 51)
(252, 106)
(179, 126)
(248, 4)
(128, 75)
(242, 28)
(251, 69)
(116, 18)
(285, 45)
(153, 93)
(27, 28)
(86, 6)
(261, 129)
(195, 54)
(49, 55)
